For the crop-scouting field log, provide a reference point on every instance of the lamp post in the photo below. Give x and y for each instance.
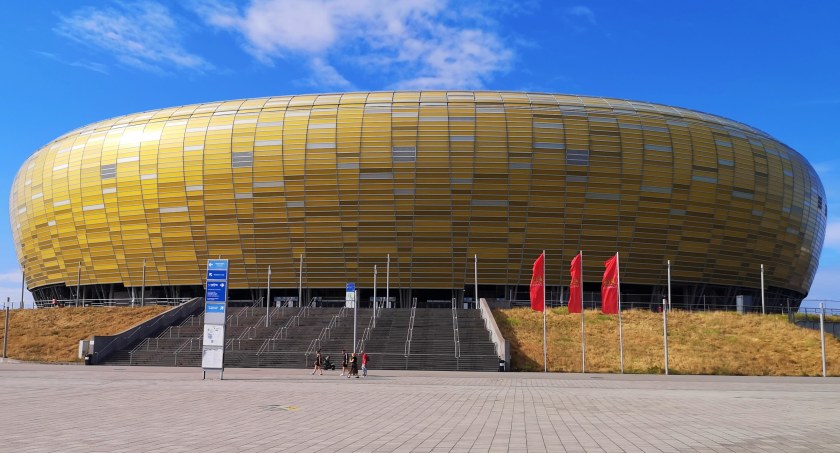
(143, 288)
(268, 295)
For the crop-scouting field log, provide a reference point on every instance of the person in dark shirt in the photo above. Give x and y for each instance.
(354, 367)
(345, 362)
(318, 363)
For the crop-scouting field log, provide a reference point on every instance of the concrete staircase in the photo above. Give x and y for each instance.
(404, 339)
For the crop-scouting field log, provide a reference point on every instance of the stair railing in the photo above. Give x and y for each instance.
(189, 343)
(455, 332)
(410, 331)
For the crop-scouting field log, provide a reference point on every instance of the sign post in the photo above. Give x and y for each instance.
(215, 308)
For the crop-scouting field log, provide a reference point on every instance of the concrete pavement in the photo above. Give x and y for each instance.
(114, 409)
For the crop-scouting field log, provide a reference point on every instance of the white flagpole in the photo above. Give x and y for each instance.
(475, 280)
(545, 347)
(582, 323)
(374, 295)
(620, 333)
(665, 332)
(268, 296)
(300, 281)
(669, 286)
(388, 283)
(762, 289)
(822, 335)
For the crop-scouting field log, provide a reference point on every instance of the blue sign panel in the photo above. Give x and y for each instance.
(214, 308)
(216, 275)
(216, 292)
(351, 287)
(217, 264)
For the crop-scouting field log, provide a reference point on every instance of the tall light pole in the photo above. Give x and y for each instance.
(78, 284)
(762, 289)
(300, 281)
(268, 295)
(143, 288)
(374, 295)
(22, 284)
(475, 281)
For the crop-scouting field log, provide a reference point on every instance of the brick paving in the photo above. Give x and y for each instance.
(120, 409)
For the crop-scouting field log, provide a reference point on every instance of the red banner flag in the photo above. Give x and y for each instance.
(537, 282)
(609, 287)
(575, 302)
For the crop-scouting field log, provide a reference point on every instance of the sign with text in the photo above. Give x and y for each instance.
(215, 309)
(216, 274)
(216, 292)
(350, 295)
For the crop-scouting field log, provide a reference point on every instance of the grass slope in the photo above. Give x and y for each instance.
(724, 343)
(52, 335)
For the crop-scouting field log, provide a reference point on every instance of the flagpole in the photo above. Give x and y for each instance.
(582, 323)
(620, 334)
(669, 286)
(388, 283)
(545, 347)
(475, 279)
(268, 296)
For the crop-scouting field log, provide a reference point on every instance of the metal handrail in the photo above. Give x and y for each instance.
(126, 302)
(410, 329)
(455, 331)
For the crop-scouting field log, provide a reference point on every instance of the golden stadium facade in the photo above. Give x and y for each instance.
(431, 178)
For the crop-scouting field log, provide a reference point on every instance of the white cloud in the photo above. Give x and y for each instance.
(579, 18)
(89, 65)
(143, 35)
(582, 12)
(419, 43)
(325, 75)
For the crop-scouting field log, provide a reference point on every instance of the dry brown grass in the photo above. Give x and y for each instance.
(724, 343)
(52, 335)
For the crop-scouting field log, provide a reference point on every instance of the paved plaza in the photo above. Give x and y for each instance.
(111, 409)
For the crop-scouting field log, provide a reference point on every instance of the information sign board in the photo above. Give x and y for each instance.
(350, 295)
(215, 308)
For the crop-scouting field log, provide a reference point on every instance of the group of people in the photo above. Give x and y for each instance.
(349, 363)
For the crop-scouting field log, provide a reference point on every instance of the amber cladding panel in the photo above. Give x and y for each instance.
(430, 178)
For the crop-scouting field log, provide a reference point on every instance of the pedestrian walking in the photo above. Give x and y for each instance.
(364, 363)
(354, 367)
(318, 363)
(345, 362)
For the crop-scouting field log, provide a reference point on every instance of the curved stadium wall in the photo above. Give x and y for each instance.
(431, 178)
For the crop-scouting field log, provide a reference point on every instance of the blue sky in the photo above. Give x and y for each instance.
(774, 65)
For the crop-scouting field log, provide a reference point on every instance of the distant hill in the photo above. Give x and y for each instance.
(724, 343)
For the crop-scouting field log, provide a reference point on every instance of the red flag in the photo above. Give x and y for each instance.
(609, 287)
(537, 282)
(575, 303)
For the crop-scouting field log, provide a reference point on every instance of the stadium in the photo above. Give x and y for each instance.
(422, 185)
